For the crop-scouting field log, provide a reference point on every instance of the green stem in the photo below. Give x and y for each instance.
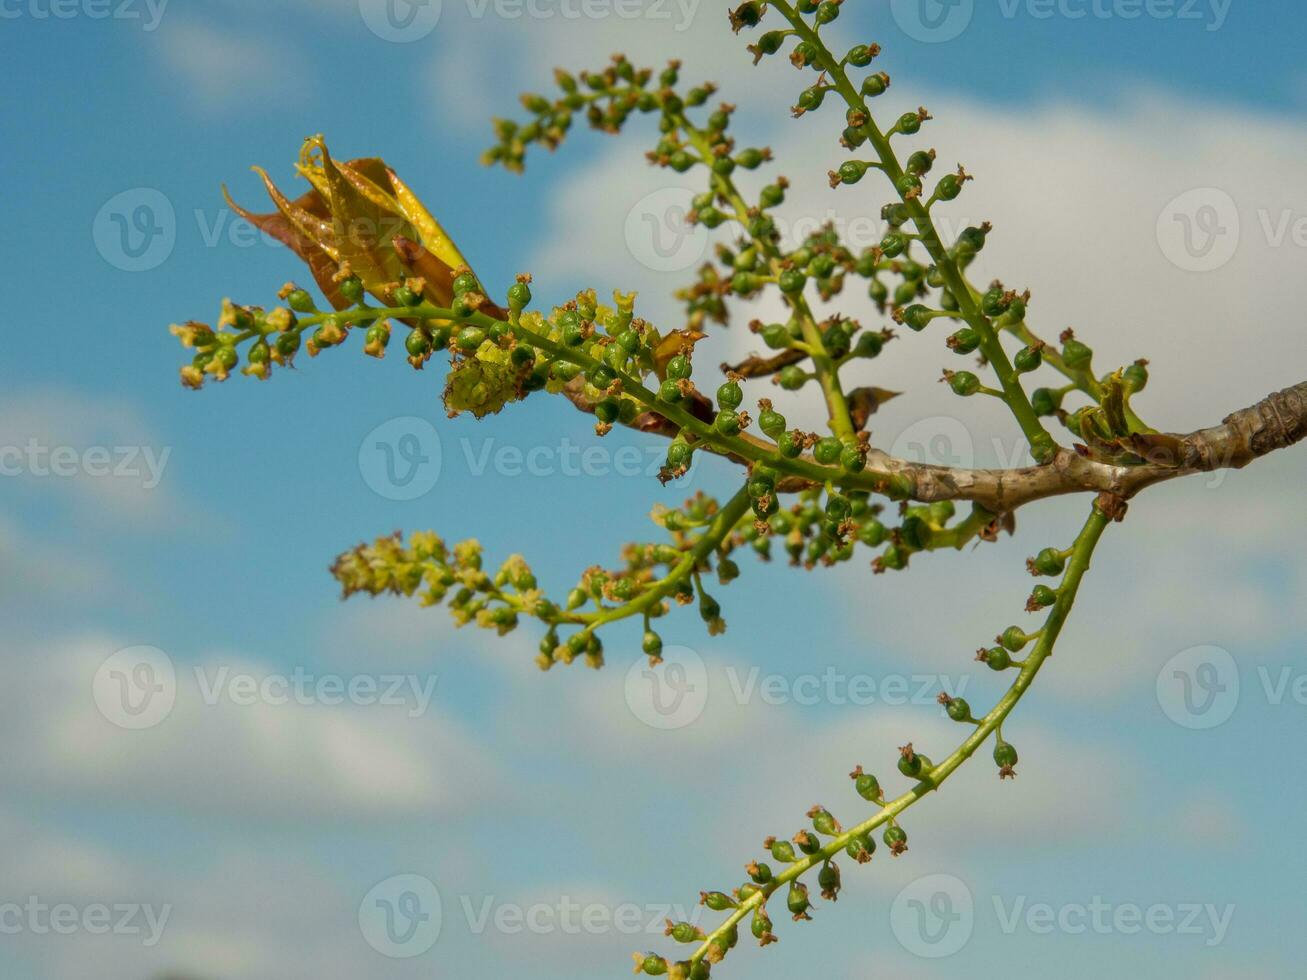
(1075, 571)
(1041, 442)
(841, 422)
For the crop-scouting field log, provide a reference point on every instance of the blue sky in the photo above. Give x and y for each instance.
(263, 827)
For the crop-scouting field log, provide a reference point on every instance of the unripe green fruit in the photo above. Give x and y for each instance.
(1048, 562)
(870, 344)
(920, 163)
(994, 302)
(874, 85)
(790, 445)
(797, 899)
(1043, 596)
(727, 422)
(852, 171)
(965, 341)
(894, 244)
(1076, 355)
(867, 786)
(964, 383)
(729, 395)
(895, 838)
(1028, 359)
(1045, 401)
(792, 281)
(792, 377)
(917, 317)
(909, 124)
(827, 451)
(949, 188)
(998, 659)
(772, 424)
(1014, 638)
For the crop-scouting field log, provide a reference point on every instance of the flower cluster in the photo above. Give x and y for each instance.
(385, 265)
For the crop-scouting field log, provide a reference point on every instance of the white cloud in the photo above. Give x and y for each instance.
(221, 68)
(281, 761)
(100, 452)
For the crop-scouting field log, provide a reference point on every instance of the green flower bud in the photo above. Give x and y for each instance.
(470, 339)
(288, 343)
(971, 241)
(909, 123)
(912, 764)
(1136, 376)
(964, 383)
(1047, 562)
(1005, 757)
(1028, 359)
(827, 451)
(810, 99)
(920, 163)
(1045, 401)
(852, 171)
(958, 709)
(717, 901)
(965, 341)
(519, 295)
(729, 395)
(727, 422)
(874, 85)
(860, 56)
(896, 839)
(823, 822)
(917, 317)
(949, 187)
(650, 963)
(1013, 638)
(670, 391)
(870, 344)
(797, 900)
(861, 848)
(872, 533)
(792, 281)
(867, 785)
(894, 244)
(792, 377)
(781, 850)
(1076, 355)
(996, 658)
(1042, 597)
(772, 423)
(772, 195)
(995, 302)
